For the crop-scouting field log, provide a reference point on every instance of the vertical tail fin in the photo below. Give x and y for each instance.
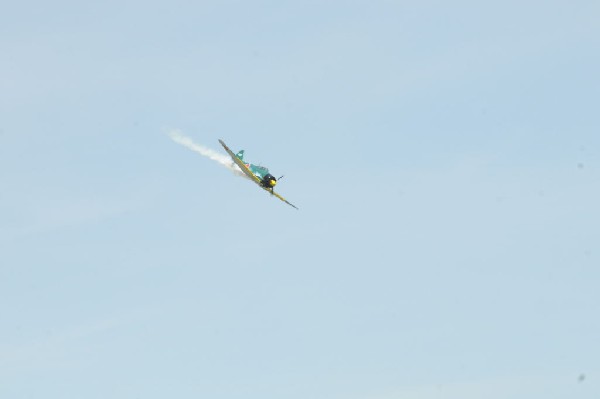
(240, 155)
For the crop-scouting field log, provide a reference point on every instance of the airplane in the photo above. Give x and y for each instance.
(258, 174)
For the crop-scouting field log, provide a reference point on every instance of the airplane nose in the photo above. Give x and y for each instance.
(272, 183)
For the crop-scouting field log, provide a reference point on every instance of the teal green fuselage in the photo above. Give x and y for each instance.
(258, 171)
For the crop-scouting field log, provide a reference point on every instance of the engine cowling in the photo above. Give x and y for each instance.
(269, 181)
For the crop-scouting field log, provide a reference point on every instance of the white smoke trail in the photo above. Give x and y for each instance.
(222, 159)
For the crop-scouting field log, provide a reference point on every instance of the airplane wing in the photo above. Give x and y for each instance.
(281, 198)
(241, 164)
(251, 175)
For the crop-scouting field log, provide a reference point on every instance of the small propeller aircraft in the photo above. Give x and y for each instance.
(258, 174)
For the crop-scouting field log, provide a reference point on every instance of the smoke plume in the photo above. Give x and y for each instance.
(222, 159)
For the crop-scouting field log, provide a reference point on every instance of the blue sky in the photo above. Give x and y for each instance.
(444, 158)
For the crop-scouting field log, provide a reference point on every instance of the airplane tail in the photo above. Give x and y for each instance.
(240, 155)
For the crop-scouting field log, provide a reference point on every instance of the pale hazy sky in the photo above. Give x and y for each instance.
(444, 156)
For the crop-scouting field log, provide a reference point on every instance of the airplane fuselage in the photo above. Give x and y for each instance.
(267, 180)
